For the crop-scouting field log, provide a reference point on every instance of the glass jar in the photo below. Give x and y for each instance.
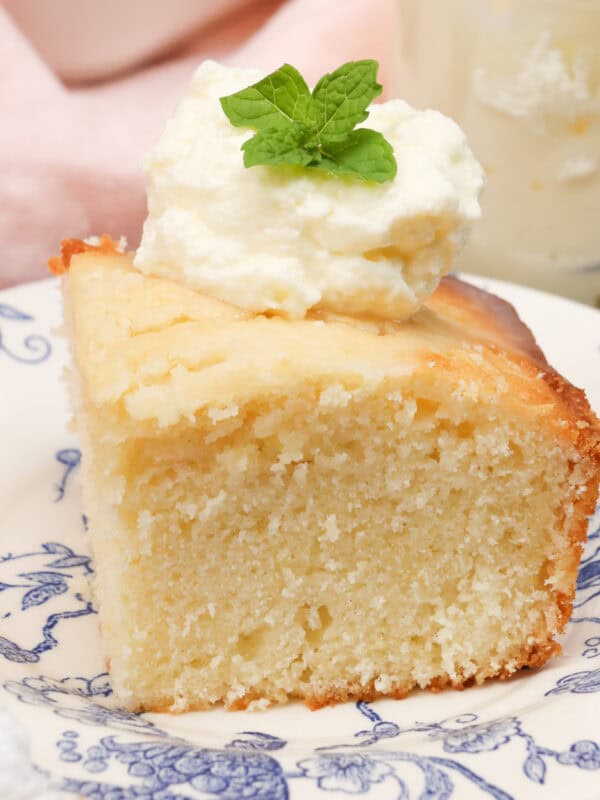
(522, 78)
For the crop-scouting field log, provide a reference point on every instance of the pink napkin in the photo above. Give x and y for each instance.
(70, 156)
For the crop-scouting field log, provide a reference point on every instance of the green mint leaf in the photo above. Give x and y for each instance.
(276, 101)
(314, 131)
(276, 146)
(341, 98)
(364, 153)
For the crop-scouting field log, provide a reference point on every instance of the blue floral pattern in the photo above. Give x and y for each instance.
(159, 764)
(153, 769)
(588, 579)
(70, 698)
(482, 738)
(352, 773)
(578, 683)
(592, 647)
(346, 768)
(33, 349)
(28, 590)
(70, 459)
(584, 754)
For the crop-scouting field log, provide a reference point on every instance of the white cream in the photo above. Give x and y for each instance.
(285, 240)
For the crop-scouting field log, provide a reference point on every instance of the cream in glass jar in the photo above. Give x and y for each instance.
(522, 77)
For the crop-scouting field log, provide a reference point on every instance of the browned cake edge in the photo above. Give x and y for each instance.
(60, 264)
(467, 305)
(535, 656)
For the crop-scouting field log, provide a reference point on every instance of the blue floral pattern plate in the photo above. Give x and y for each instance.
(537, 735)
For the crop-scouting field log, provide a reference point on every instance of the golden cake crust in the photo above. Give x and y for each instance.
(535, 656)
(132, 309)
(141, 334)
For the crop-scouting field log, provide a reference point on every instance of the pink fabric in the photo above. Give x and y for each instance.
(70, 157)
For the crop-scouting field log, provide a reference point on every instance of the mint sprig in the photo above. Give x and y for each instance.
(314, 130)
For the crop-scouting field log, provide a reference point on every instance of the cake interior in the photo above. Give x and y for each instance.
(339, 541)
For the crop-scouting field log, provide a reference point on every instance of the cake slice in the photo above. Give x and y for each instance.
(324, 508)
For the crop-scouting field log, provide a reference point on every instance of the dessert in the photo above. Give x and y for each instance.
(287, 240)
(325, 508)
(305, 493)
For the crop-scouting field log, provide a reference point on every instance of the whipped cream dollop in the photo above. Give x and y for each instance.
(286, 240)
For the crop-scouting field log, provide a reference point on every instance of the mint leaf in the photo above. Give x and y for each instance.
(363, 153)
(314, 131)
(276, 101)
(341, 98)
(276, 146)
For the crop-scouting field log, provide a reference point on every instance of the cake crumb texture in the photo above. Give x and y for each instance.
(331, 508)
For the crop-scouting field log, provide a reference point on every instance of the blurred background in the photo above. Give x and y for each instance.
(87, 85)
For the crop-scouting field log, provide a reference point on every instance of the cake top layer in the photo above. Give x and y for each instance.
(285, 239)
(162, 353)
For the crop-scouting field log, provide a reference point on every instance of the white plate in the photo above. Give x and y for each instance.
(536, 736)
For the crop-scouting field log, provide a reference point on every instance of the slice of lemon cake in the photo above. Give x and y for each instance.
(325, 508)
